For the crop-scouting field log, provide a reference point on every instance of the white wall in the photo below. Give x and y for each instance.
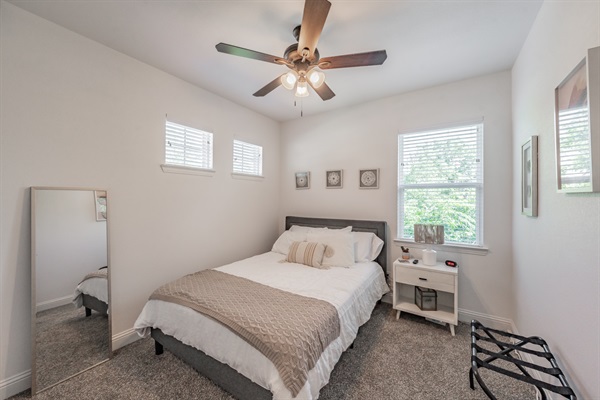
(78, 114)
(556, 255)
(69, 243)
(366, 137)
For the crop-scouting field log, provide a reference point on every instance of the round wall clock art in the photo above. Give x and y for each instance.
(334, 179)
(368, 178)
(302, 180)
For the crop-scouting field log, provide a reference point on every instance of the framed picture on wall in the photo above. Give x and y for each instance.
(529, 175)
(368, 178)
(302, 180)
(100, 201)
(334, 179)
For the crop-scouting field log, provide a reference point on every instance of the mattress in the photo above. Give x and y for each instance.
(353, 291)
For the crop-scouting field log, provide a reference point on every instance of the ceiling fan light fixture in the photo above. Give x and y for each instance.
(316, 78)
(302, 88)
(289, 80)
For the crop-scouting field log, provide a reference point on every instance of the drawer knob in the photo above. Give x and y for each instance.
(423, 279)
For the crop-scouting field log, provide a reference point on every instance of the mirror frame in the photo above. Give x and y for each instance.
(590, 68)
(34, 386)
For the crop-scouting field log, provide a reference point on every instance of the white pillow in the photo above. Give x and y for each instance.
(340, 247)
(298, 228)
(282, 244)
(367, 246)
(306, 229)
(376, 247)
(362, 246)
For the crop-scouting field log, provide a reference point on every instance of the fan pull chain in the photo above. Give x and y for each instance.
(301, 107)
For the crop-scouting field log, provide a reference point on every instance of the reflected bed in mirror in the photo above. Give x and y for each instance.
(70, 282)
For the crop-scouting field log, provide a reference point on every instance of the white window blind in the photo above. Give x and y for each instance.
(575, 156)
(247, 158)
(188, 147)
(440, 181)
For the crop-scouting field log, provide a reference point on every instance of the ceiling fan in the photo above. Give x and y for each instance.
(303, 58)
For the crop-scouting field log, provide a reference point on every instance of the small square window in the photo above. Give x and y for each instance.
(247, 158)
(188, 147)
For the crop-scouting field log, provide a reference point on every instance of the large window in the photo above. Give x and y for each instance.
(247, 158)
(188, 147)
(440, 181)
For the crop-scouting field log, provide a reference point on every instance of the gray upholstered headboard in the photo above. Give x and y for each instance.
(379, 228)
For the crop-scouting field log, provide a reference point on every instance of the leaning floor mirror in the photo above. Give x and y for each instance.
(70, 283)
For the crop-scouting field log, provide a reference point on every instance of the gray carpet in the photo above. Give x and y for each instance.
(67, 338)
(406, 359)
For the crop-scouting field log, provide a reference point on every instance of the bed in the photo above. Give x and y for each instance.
(241, 368)
(92, 292)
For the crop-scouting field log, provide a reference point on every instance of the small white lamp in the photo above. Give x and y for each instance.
(430, 235)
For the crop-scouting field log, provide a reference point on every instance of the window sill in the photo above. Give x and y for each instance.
(180, 169)
(453, 247)
(248, 177)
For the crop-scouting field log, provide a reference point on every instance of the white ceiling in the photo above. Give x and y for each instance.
(427, 42)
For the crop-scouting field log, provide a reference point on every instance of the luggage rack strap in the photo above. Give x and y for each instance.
(504, 354)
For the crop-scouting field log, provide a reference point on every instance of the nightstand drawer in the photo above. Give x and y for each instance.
(425, 278)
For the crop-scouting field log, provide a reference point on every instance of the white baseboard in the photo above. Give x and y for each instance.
(124, 338)
(535, 374)
(491, 321)
(46, 305)
(15, 384)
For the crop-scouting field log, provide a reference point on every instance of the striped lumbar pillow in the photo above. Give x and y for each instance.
(307, 253)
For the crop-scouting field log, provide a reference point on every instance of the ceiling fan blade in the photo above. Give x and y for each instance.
(354, 60)
(313, 20)
(323, 91)
(242, 52)
(269, 87)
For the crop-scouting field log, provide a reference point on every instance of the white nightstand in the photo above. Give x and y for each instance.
(439, 277)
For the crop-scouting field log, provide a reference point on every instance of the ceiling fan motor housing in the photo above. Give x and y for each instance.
(291, 54)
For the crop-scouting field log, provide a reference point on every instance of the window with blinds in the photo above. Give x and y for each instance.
(575, 158)
(247, 158)
(188, 147)
(440, 181)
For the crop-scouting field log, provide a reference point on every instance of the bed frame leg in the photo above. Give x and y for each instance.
(88, 312)
(158, 348)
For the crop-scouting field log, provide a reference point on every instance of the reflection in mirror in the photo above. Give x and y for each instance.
(70, 283)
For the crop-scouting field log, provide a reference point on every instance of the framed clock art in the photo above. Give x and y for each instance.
(334, 179)
(302, 180)
(368, 178)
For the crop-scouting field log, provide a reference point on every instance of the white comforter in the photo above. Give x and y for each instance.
(353, 291)
(97, 287)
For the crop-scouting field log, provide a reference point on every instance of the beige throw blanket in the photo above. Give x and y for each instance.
(290, 330)
(101, 273)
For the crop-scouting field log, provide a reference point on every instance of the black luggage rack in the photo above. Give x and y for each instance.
(515, 343)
